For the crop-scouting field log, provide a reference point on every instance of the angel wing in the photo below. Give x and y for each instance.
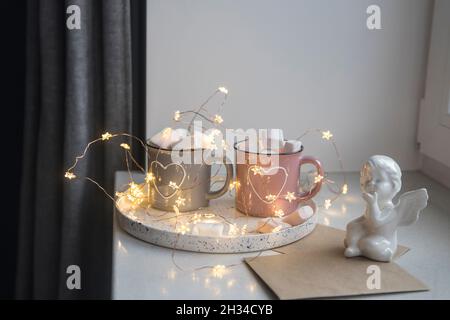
(409, 206)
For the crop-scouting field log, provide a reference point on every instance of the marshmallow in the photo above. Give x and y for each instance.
(292, 146)
(270, 140)
(269, 225)
(299, 216)
(271, 134)
(182, 132)
(208, 229)
(167, 137)
(186, 143)
(198, 140)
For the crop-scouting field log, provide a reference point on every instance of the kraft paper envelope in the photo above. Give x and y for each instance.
(322, 238)
(315, 267)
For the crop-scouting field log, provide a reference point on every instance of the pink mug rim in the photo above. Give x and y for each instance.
(266, 154)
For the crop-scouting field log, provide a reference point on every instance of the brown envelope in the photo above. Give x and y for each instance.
(315, 267)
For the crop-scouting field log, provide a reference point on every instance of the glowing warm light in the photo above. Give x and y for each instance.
(137, 193)
(279, 213)
(318, 178)
(256, 170)
(290, 196)
(134, 194)
(218, 271)
(344, 189)
(327, 204)
(235, 184)
(149, 177)
(233, 230)
(276, 229)
(230, 283)
(196, 218)
(173, 185)
(212, 146)
(225, 145)
(327, 135)
(218, 119)
(106, 136)
(167, 132)
(125, 146)
(133, 185)
(177, 115)
(183, 228)
(223, 90)
(172, 274)
(70, 175)
(244, 229)
(180, 201)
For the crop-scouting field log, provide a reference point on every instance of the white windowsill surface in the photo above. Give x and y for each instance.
(145, 271)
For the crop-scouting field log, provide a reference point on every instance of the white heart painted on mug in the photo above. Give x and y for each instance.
(266, 171)
(165, 168)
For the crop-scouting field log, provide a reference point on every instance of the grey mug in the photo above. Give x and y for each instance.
(185, 185)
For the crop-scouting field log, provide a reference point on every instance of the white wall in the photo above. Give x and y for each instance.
(295, 65)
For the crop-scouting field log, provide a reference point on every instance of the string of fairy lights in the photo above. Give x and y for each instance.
(136, 194)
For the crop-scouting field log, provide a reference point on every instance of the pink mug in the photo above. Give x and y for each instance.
(267, 190)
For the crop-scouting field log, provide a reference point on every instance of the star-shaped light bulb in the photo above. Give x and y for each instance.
(106, 136)
(218, 119)
(183, 229)
(223, 90)
(218, 271)
(177, 115)
(225, 145)
(290, 196)
(344, 189)
(70, 175)
(125, 146)
(318, 178)
(327, 135)
(180, 201)
(173, 185)
(235, 184)
(327, 204)
(133, 185)
(271, 197)
(149, 177)
(256, 170)
(279, 213)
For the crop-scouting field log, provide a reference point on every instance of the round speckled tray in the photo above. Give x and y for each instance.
(159, 228)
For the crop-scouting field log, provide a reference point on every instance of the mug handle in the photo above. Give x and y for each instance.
(304, 196)
(218, 193)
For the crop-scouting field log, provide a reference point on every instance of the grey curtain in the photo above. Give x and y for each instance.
(79, 84)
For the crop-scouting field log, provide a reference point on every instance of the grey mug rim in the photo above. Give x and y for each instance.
(155, 147)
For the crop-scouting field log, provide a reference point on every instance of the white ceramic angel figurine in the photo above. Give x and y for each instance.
(374, 234)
